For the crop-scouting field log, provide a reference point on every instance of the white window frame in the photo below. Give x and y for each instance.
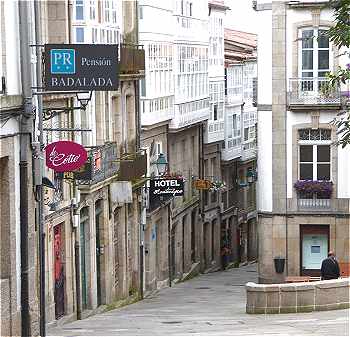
(114, 14)
(107, 11)
(75, 10)
(315, 69)
(93, 10)
(314, 145)
(76, 35)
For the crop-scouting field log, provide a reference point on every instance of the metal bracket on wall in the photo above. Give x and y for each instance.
(67, 129)
(49, 113)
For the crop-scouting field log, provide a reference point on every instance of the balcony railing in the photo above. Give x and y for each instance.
(215, 131)
(248, 150)
(189, 27)
(189, 118)
(231, 153)
(314, 204)
(102, 161)
(313, 90)
(232, 198)
(234, 96)
(149, 118)
(132, 59)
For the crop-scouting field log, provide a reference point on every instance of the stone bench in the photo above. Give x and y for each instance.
(297, 297)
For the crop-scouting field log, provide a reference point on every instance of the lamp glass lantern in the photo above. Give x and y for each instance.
(162, 164)
(84, 97)
(250, 176)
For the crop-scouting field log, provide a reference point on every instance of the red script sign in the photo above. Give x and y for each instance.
(65, 156)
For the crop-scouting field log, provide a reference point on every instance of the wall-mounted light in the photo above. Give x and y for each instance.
(251, 176)
(162, 164)
(84, 97)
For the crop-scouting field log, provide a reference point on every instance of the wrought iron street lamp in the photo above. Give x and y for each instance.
(84, 97)
(250, 176)
(162, 164)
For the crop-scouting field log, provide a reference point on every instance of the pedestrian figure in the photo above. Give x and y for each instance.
(330, 267)
(224, 257)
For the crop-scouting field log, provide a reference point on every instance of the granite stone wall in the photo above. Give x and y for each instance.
(297, 297)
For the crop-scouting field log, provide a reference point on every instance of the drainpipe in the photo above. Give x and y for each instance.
(169, 212)
(201, 173)
(74, 224)
(76, 197)
(286, 140)
(40, 191)
(169, 243)
(25, 138)
(134, 40)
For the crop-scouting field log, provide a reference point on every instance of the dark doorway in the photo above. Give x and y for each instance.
(184, 219)
(59, 270)
(206, 243)
(193, 236)
(84, 227)
(238, 243)
(98, 220)
(116, 244)
(172, 257)
(213, 238)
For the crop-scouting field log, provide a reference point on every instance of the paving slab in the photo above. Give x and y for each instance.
(210, 304)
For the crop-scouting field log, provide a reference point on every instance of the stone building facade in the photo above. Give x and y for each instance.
(18, 245)
(87, 223)
(154, 140)
(295, 142)
(239, 153)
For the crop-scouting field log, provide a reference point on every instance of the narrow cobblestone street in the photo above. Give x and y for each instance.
(211, 304)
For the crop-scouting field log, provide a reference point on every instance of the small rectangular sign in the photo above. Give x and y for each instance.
(84, 173)
(133, 169)
(201, 184)
(81, 67)
(166, 187)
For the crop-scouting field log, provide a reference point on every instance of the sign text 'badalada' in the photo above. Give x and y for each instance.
(81, 67)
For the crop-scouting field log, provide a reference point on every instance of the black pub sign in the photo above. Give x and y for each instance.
(166, 187)
(81, 67)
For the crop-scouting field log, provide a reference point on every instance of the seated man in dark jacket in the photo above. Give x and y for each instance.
(330, 267)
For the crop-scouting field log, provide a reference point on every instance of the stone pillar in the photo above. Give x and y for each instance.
(277, 243)
(279, 106)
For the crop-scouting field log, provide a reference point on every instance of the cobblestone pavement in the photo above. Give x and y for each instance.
(211, 304)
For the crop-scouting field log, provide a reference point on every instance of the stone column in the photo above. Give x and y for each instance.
(279, 105)
(279, 115)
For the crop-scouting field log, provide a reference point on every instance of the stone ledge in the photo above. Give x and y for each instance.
(297, 297)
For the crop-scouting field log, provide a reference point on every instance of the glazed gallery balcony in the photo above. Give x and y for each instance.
(190, 113)
(313, 91)
(214, 131)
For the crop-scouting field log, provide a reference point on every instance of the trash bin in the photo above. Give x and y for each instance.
(279, 264)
